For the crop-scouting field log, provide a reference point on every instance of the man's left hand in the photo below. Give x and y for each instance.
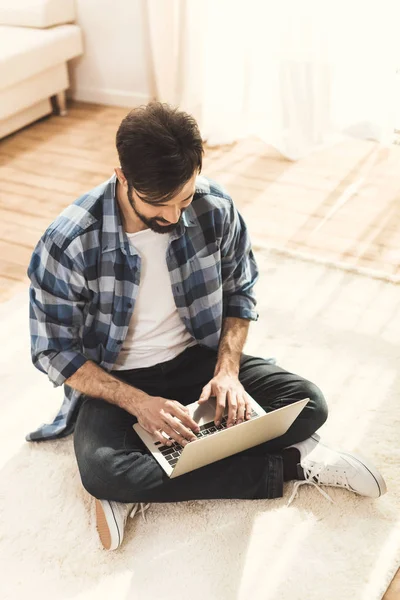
(227, 387)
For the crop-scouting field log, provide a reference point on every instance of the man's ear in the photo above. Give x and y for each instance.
(121, 177)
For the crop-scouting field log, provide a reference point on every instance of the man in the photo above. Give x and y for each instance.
(140, 301)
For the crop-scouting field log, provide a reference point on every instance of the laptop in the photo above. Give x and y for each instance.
(215, 443)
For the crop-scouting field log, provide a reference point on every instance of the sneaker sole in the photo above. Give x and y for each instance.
(380, 482)
(102, 525)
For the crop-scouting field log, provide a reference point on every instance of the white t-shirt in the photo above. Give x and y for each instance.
(156, 332)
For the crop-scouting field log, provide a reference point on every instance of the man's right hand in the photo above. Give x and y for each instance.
(156, 414)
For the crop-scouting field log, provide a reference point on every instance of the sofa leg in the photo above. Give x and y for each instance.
(61, 102)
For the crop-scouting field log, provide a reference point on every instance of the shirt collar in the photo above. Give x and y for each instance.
(113, 234)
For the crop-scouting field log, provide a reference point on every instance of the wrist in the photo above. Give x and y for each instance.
(230, 368)
(130, 398)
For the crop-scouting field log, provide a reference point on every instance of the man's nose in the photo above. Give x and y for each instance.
(172, 215)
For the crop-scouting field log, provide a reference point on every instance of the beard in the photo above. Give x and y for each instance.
(154, 222)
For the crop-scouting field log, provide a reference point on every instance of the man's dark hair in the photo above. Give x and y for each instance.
(159, 149)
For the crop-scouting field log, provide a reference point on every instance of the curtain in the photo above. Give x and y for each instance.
(299, 74)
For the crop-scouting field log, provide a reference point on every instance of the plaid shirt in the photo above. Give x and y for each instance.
(85, 277)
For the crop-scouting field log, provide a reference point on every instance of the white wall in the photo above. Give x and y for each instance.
(115, 67)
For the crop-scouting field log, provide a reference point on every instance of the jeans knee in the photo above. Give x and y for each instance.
(318, 403)
(111, 475)
(90, 480)
(94, 486)
(95, 469)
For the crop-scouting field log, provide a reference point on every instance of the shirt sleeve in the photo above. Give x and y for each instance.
(239, 269)
(56, 301)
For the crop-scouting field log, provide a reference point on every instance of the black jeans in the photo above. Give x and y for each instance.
(114, 464)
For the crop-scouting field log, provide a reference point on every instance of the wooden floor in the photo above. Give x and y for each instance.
(341, 204)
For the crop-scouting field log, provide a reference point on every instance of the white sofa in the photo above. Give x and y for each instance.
(37, 38)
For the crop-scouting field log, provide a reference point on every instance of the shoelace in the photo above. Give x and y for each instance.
(143, 508)
(330, 478)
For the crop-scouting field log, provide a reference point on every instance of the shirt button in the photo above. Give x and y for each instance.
(129, 305)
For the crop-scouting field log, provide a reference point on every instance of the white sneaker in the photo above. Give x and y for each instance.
(111, 519)
(324, 466)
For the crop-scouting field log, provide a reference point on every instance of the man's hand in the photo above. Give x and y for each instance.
(156, 414)
(227, 387)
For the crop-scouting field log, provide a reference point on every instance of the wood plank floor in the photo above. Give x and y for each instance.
(341, 204)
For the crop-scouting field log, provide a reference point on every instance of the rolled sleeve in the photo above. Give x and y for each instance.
(56, 302)
(239, 269)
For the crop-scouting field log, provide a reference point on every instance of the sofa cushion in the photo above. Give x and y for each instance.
(26, 52)
(36, 13)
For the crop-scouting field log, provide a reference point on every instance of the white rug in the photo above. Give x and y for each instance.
(341, 331)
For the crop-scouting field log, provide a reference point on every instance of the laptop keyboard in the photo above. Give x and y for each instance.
(172, 453)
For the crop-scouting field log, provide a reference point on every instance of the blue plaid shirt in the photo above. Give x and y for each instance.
(85, 277)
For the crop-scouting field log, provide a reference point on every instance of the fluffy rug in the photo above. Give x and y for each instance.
(338, 329)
